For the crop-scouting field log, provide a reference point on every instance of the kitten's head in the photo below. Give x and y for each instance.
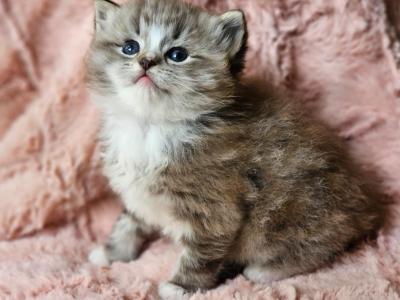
(165, 60)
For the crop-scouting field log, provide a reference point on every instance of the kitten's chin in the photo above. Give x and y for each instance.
(146, 103)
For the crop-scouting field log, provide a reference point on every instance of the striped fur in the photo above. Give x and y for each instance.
(228, 169)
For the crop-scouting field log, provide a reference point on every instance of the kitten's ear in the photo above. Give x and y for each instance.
(234, 38)
(105, 9)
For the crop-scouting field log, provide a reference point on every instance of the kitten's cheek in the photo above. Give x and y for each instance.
(170, 291)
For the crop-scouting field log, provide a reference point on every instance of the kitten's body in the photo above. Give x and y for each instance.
(231, 172)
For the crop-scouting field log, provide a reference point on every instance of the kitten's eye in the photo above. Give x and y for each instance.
(130, 48)
(177, 54)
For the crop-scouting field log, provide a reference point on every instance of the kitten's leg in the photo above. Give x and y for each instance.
(125, 242)
(198, 269)
(206, 247)
(193, 273)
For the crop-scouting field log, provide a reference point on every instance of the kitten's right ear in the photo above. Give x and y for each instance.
(105, 9)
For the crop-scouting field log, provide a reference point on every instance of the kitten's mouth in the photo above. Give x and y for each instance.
(145, 80)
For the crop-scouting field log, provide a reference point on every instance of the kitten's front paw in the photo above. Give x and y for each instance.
(98, 257)
(262, 275)
(170, 291)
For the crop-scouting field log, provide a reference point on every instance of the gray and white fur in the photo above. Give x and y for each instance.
(228, 169)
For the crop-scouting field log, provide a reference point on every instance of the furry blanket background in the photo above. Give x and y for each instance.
(341, 58)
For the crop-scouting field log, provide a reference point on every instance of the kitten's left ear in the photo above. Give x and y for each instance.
(105, 9)
(234, 38)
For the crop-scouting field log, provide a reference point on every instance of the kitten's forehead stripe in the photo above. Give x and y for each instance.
(164, 41)
(134, 20)
(156, 34)
(177, 30)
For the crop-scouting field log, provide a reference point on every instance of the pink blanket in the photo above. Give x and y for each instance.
(341, 58)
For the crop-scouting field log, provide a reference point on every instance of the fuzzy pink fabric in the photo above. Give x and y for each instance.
(341, 58)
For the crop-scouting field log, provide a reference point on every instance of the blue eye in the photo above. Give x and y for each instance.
(130, 48)
(177, 54)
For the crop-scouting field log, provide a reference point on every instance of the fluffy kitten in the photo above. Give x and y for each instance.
(227, 170)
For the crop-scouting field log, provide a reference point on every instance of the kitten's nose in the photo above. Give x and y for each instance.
(147, 63)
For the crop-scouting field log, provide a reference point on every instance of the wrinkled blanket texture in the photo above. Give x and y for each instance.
(339, 58)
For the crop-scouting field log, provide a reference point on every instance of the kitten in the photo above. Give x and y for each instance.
(230, 171)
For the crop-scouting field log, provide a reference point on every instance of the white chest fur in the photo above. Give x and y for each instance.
(134, 154)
